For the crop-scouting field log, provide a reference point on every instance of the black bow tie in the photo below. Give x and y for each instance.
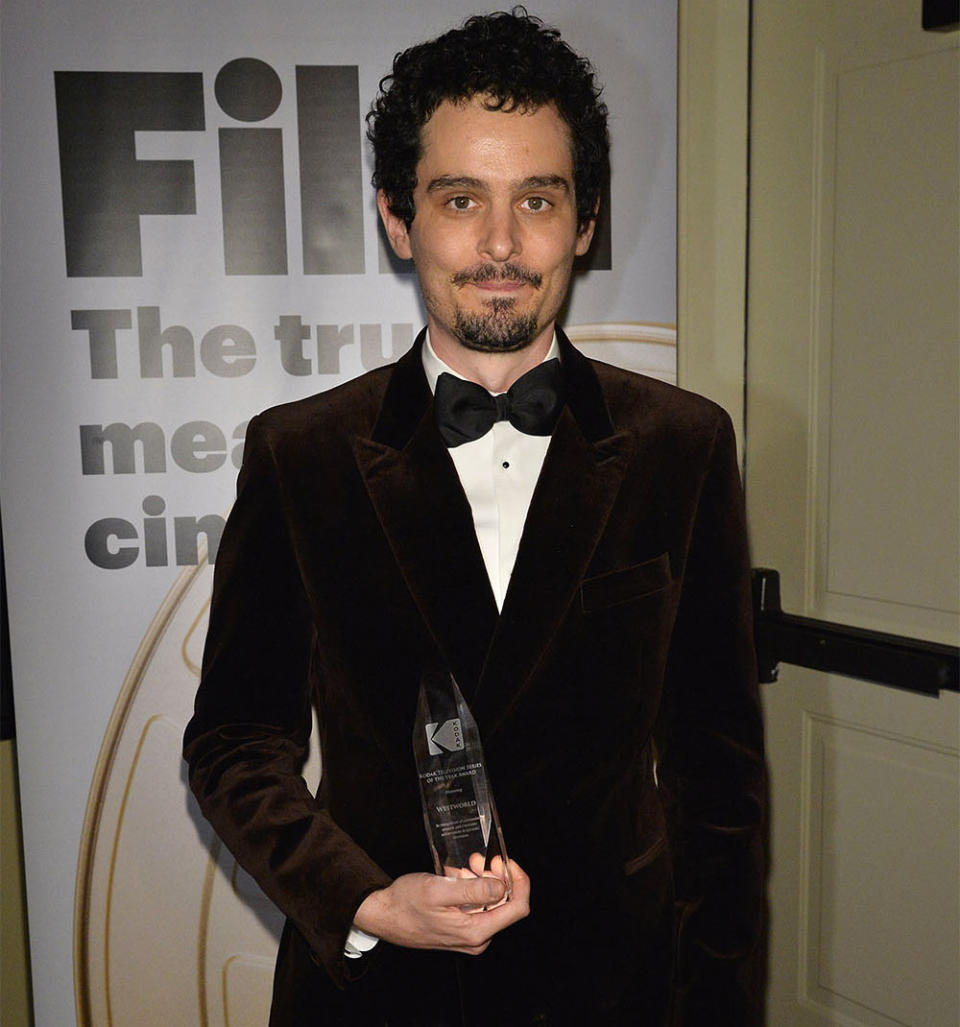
(466, 411)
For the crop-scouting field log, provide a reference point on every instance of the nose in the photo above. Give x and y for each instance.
(500, 234)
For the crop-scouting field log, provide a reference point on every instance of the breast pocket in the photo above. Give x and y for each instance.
(626, 584)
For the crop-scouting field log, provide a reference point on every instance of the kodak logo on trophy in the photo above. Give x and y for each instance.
(106, 188)
(445, 737)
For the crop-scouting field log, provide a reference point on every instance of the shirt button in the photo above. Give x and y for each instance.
(506, 463)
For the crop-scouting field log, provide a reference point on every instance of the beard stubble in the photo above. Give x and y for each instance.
(498, 328)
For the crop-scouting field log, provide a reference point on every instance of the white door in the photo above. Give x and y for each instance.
(852, 486)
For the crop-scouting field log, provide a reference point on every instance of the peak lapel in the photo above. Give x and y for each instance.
(426, 518)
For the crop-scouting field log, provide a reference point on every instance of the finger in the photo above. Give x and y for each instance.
(458, 873)
(477, 863)
(519, 883)
(502, 870)
(517, 874)
(473, 950)
(497, 916)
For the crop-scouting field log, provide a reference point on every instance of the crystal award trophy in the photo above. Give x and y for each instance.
(458, 809)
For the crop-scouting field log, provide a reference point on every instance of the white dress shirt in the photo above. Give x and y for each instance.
(498, 473)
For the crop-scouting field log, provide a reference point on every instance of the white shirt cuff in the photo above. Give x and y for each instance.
(358, 942)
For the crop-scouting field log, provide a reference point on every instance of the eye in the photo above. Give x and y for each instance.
(535, 204)
(460, 202)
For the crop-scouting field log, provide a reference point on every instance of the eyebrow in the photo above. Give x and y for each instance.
(467, 182)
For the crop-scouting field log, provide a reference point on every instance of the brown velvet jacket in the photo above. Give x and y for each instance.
(616, 694)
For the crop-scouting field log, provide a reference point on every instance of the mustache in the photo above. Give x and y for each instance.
(508, 272)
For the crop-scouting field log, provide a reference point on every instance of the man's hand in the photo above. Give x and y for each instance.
(424, 911)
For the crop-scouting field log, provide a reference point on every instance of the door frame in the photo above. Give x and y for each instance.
(713, 93)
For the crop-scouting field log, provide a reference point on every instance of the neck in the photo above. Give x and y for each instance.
(496, 372)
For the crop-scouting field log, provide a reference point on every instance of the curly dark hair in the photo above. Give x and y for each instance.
(517, 62)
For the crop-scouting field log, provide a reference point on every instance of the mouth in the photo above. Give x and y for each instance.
(509, 285)
(490, 278)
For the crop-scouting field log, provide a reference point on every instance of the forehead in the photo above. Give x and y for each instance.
(469, 139)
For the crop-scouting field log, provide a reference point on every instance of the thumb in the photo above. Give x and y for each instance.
(481, 891)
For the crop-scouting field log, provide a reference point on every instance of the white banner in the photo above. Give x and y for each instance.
(189, 236)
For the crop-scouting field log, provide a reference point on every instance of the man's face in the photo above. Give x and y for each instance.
(495, 230)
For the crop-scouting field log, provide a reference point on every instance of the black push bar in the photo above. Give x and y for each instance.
(909, 663)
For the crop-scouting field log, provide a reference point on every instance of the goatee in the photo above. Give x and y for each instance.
(497, 329)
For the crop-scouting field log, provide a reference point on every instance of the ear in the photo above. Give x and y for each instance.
(395, 227)
(585, 235)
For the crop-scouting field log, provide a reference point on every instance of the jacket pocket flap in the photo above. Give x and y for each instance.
(628, 583)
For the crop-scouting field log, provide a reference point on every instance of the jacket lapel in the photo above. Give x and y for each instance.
(578, 484)
(426, 518)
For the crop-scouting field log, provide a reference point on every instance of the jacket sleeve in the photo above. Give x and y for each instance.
(247, 741)
(711, 768)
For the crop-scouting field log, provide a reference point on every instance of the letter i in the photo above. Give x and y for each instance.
(155, 532)
(251, 171)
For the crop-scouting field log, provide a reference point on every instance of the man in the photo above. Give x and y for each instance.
(587, 585)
